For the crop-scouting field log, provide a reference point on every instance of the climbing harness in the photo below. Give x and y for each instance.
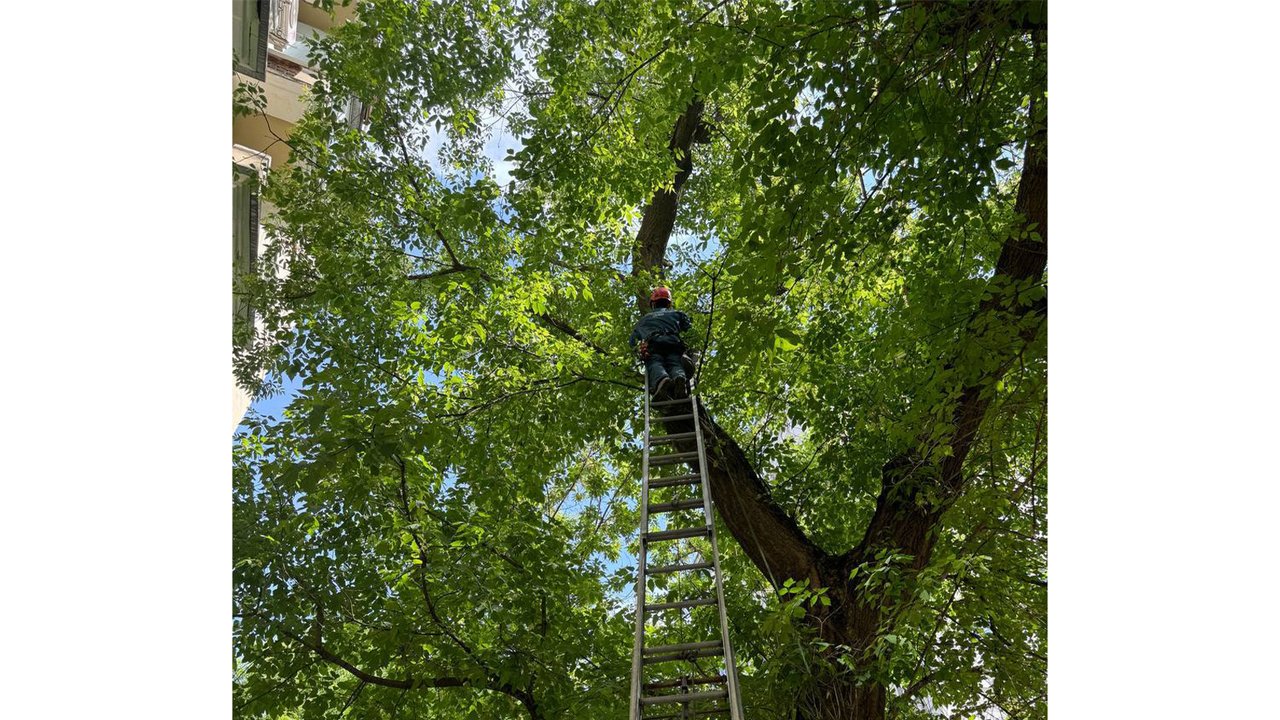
(695, 662)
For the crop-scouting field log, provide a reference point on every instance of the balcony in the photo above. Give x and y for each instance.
(290, 73)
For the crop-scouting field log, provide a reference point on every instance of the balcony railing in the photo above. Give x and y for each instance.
(284, 23)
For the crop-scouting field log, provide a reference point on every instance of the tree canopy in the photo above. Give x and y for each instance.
(850, 201)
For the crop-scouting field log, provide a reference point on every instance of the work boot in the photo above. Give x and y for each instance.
(689, 362)
(680, 388)
(659, 391)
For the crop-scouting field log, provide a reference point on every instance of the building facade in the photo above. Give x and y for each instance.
(269, 47)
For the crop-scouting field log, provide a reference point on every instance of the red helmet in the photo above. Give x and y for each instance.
(660, 293)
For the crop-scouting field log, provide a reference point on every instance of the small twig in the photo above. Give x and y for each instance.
(355, 694)
(711, 318)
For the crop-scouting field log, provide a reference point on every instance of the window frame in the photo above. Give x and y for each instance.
(242, 309)
(259, 68)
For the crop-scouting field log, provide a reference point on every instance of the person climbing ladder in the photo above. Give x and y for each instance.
(656, 339)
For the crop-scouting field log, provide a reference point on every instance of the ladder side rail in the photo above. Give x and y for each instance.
(638, 650)
(731, 668)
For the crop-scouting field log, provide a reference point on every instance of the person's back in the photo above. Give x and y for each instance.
(658, 334)
(661, 321)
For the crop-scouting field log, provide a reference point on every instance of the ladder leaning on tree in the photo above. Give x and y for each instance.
(695, 661)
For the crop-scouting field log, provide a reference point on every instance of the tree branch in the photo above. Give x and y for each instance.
(568, 329)
(771, 538)
(525, 698)
(372, 679)
(439, 273)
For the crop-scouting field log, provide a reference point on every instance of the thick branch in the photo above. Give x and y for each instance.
(659, 217)
(768, 535)
(1022, 258)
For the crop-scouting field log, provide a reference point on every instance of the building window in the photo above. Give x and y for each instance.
(244, 238)
(249, 20)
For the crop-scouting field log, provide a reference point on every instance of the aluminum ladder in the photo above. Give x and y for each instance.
(689, 659)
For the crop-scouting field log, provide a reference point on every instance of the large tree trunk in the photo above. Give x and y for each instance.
(842, 700)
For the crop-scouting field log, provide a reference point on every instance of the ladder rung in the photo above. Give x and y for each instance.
(677, 505)
(663, 569)
(689, 479)
(672, 458)
(677, 534)
(682, 716)
(680, 605)
(681, 647)
(678, 682)
(685, 698)
(669, 438)
(669, 418)
(664, 403)
(685, 655)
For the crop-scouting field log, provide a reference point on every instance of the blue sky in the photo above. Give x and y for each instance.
(274, 406)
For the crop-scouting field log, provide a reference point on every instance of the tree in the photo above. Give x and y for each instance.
(851, 199)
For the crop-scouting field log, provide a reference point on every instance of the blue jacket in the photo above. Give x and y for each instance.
(663, 321)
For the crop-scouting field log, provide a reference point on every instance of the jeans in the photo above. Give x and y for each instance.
(664, 361)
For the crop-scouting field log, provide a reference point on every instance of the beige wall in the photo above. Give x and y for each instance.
(286, 103)
(317, 18)
(254, 132)
(240, 401)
